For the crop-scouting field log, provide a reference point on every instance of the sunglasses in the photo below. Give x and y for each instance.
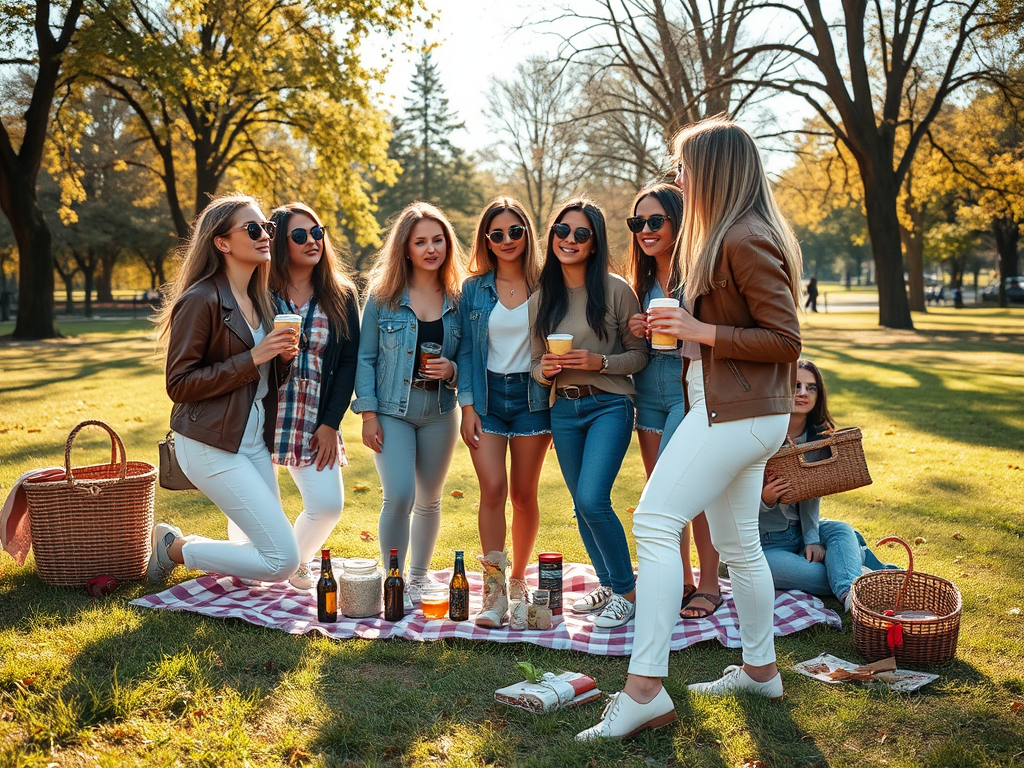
(299, 236)
(515, 232)
(636, 223)
(255, 229)
(582, 234)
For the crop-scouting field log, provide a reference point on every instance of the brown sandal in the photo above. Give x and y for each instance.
(688, 590)
(715, 601)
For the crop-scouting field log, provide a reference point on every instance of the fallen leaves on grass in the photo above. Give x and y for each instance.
(753, 762)
(631, 510)
(1016, 706)
(296, 756)
(920, 540)
(1008, 466)
(457, 494)
(958, 536)
(360, 487)
(1013, 612)
(367, 536)
(881, 736)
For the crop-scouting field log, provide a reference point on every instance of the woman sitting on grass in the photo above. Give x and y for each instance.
(822, 557)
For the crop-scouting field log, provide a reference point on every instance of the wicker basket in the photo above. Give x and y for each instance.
(842, 470)
(877, 632)
(96, 521)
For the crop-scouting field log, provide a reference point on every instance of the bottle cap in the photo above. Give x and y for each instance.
(394, 551)
(325, 553)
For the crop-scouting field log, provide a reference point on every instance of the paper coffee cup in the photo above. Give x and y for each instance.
(663, 341)
(287, 321)
(559, 343)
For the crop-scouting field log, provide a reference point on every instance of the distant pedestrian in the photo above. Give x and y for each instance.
(812, 295)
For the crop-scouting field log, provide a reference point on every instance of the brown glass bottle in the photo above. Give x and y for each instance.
(326, 591)
(394, 591)
(458, 591)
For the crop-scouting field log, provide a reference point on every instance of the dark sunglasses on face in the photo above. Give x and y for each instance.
(299, 236)
(515, 232)
(636, 223)
(255, 229)
(582, 234)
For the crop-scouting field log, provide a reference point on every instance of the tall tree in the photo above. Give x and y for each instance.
(51, 28)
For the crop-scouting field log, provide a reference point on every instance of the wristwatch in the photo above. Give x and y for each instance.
(604, 363)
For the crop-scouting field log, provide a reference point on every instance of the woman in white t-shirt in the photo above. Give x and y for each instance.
(504, 411)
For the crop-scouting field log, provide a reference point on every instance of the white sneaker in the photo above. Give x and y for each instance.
(617, 612)
(407, 602)
(414, 586)
(735, 679)
(302, 578)
(594, 601)
(159, 563)
(624, 717)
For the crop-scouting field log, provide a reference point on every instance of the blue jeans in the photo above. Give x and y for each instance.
(591, 436)
(844, 556)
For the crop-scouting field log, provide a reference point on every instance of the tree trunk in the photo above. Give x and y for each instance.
(1006, 231)
(914, 245)
(880, 197)
(36, 317)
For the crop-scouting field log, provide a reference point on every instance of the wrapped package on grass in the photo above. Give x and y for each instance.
(547, 691)
(831, 669)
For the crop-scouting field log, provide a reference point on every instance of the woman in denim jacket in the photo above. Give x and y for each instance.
(503, 408)
(407, 401)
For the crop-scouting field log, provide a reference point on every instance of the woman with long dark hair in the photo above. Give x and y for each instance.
(307, 280)
(591, 391)
(741, 269)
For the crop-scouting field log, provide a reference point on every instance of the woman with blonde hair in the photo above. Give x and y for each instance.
(503, 409)
(741, 268)
(307, 280)
(224, 366)
(405, 394)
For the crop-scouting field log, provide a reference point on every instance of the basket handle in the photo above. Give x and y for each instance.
(820, 462)
(910, 568)
(115, 445)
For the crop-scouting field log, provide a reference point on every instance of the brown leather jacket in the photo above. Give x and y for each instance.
(210, 373)
(751, 370)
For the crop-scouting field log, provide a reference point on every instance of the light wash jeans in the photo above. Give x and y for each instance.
(717, 469)
(591, 436)
(412, 465)
(244, 486)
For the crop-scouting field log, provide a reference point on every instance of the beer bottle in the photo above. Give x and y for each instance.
(326, 591)
(394, 591)
(458, 591)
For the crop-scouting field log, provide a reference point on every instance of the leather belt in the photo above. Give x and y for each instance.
(431, 385)
(573, 392)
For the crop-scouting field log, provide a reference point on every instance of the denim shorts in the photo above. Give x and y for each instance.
(508, 408)
(659, 392)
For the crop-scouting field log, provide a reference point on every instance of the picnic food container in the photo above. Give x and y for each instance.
(360, 588)
(843, 469)
(912, 616)
(97, 520)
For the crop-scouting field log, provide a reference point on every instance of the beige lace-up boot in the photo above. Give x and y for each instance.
(494, 612)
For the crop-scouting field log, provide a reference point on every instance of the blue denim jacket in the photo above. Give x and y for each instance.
(387, 349)
(479, 296)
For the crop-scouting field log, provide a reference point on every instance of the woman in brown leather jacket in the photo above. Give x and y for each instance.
(741, 270)
(224, 365)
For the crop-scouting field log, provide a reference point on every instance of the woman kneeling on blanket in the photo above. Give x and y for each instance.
(820, 557)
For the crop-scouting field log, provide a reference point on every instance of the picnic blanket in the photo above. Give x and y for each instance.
(294, 611)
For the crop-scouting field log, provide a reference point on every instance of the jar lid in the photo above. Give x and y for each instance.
(360, 565)
(550, 557)
(540, 597)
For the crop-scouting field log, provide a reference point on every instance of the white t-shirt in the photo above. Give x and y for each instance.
(508, 339)
(258, 334)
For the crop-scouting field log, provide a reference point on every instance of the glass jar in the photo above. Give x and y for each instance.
(360, 588)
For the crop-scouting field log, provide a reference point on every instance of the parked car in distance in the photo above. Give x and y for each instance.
(1014, 291)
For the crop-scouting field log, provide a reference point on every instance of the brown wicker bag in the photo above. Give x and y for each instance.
(883, 605)
(96, 521)
(842, 470)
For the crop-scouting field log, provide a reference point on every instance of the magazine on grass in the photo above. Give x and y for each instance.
(550, 692)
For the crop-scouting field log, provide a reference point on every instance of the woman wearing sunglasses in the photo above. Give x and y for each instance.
(306, 280)
(591, 393)
(224, 366)
(503, 409)
(406, 394)
(660, 404)
(741, 267)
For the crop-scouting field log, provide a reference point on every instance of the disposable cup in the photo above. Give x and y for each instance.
(287, 321)
(559, 343)
(663, 341)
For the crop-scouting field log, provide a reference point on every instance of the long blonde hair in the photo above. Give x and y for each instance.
(389, 277)
(483, 260)
(201, 260)
(726, 183)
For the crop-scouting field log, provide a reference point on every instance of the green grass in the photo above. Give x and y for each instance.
(86, 682)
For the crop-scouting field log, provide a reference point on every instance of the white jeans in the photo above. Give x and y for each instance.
(717, 469)
(322, 498)
(244, 486)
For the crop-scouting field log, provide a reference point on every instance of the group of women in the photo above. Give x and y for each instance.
(431, 338)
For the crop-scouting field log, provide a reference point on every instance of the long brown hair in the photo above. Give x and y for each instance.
(643, 269)
(482, 258)
(201, 260)
(726, 182)
(389, 277)
(333, 288)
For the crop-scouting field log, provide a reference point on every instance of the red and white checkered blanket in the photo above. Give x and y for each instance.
(294, 611)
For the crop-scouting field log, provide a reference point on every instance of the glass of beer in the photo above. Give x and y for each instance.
(664, 341)
(429, 350)
(434, 601)
(559, 343)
